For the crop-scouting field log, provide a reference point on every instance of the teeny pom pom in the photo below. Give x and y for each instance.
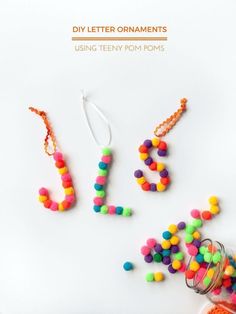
(143, 149)
(47, 203)
(43, 198)
(54, 206)
(101, 180)
(66, 184)
(43, 191)
(66, 204)
(106, 151)
(160, 187)
(206, 215)
(63, 170)
(138, 174)
(146, 186)
(128, 266)
(69, 191)
(57, 156)
(66, 177)
(145, 250)
(195, 213)
(70, 198)
(111, 210)
(60, 163)
(151, 243)
(162, 145)
(98, 201)
(106, 159)
(213, 200)
(165, 181)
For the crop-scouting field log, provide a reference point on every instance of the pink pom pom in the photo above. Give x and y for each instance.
(101, 180)
(70, 198)
(111, 210)
(58, 156)
(200, 274)
(216, 291)
(151, 243)
(54, 206)
(192, 250)
(66, 177)
(233, 297)
(98, 201)
(145, 250)
(182, 268)
(43, 191)
(188, 245)
(106, 159)
(195, 213)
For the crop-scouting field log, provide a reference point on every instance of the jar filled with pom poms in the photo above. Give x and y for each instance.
(212, 272)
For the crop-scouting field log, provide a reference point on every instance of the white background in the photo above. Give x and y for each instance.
(66, 263)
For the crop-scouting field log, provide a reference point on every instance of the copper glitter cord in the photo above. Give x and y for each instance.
(49, 135)
(170, 122)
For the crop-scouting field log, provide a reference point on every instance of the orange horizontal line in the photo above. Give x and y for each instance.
(119, 38)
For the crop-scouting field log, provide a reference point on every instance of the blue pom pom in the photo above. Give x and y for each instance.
(166, 235)
(97, 208)
(119, 210)
(128, 266)
(98, 187)
(102, 165)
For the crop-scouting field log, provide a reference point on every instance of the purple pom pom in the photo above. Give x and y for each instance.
(147, 143)
(161, 153)
(138, 174)
(148, 258)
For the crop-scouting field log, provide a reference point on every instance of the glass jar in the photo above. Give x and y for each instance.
(216, 280)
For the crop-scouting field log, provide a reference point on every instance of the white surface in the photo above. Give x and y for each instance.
(72, 263)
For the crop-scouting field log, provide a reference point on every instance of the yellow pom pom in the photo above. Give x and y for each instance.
(197, 235)
(42, 198)
(166, 244)
(172, 228)
(60, 207)
(229, 270)
(160, 166)
(63, 170)
(158, 276)
(143, 156)
(176, 264)
(174, 240)
(214, 209)
(155, 141)
(141, 180)
(160, 187)
(213, 200)
(194, 266)
(69, 191)
(211, 273)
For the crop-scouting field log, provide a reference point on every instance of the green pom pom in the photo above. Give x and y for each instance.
(203, 250)
(157, 257)
(197, 223)
(179, 256)
(127, 212)
(100, 193)
(104, 209)
(102, 172)
(206, 281)
(188, 238)
(150, 277)
(106, 151)
(208, 257)
(190, 229)
(216, 257)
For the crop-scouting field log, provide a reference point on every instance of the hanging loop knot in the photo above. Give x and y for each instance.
(163, 128)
